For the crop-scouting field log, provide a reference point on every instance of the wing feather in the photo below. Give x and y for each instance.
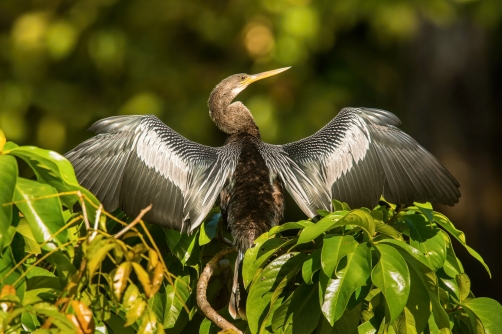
(361, 155)
(134, 161)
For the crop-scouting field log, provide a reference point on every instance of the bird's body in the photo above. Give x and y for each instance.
(360, 155)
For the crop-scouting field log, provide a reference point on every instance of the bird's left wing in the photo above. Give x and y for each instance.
(361, 155)
(135, 161)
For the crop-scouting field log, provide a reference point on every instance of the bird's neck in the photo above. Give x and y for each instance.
(229, 117)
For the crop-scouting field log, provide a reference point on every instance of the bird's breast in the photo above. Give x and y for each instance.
(252, 202)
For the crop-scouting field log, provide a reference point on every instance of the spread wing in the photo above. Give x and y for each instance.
(135, 161)
(361, 155)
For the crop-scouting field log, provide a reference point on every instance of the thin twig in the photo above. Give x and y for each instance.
(134, 222)
(84, 211)
(204, 305)
(98, 215)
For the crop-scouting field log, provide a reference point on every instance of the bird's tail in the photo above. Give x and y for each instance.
(237, 304)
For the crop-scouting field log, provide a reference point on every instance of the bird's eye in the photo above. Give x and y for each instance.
(242, 77)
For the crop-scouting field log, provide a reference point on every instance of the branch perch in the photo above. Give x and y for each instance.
(204, 305)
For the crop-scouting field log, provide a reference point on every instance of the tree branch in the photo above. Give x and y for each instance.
(204, 305)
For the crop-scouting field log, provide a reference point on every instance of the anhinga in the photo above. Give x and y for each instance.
(360, 155)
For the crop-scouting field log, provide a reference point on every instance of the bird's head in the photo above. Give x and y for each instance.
(234, 117)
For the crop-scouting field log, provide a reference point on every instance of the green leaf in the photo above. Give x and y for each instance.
(338, 290)
(426, 210)
(368, 327)
(209, 227)
(311, 232)
(427, 238)
(44, 216)
(304, 304)
(386, 229)
(256, 257)
(488, 311)
(359, 218)
(416, 314)
(334, 248)
(55, 170)
(460, 236)
(185, 246)
(176, 299)
(30, 243)
(311, 265)
(464, 285)
(392, 277)
(8, 179)
(452, 266)
(261, 289)
(417, 261)
(290, 226)
(347, 324)
(172, 237)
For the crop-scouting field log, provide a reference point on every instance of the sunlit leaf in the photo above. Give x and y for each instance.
(84, 316)
(8, 179)
(334, 248)
(44, 216)
(392, 277)
(338, 290)
(176, 299)
(488, 311)
(135, 311)
(120, 278)
(311, 232)
(426, 237)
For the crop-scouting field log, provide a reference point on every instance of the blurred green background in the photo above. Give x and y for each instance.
(436, 64)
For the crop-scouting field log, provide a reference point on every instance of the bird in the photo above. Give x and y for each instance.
(359, 156)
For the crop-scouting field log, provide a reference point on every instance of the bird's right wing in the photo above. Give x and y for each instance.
(135, 161)
(361, 155)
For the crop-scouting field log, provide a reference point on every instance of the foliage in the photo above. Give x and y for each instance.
(391, 269)
(387, 270)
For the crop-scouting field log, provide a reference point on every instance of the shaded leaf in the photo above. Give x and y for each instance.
(311, 265)
(262, 288)
(8, 179)
(176, 298)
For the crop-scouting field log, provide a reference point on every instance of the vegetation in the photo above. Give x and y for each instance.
(387, 270)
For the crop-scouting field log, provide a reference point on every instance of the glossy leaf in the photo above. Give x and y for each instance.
(8, 179)
(334, 248)
(311, 232)
(311, 265)
(488, 311)
(417, 261)
(428, 238)
(84, 316)
(338, 290)
(290, 226)
(55, 170)
(209, 228)
(120, 278)
(44, 216)
(445, 223)
(256, 257)
(185, 246)
(359, 218)
(176, 299)
(97, 251)
(144, 279)
(135, 311)
(262, 288)
(392, 277)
